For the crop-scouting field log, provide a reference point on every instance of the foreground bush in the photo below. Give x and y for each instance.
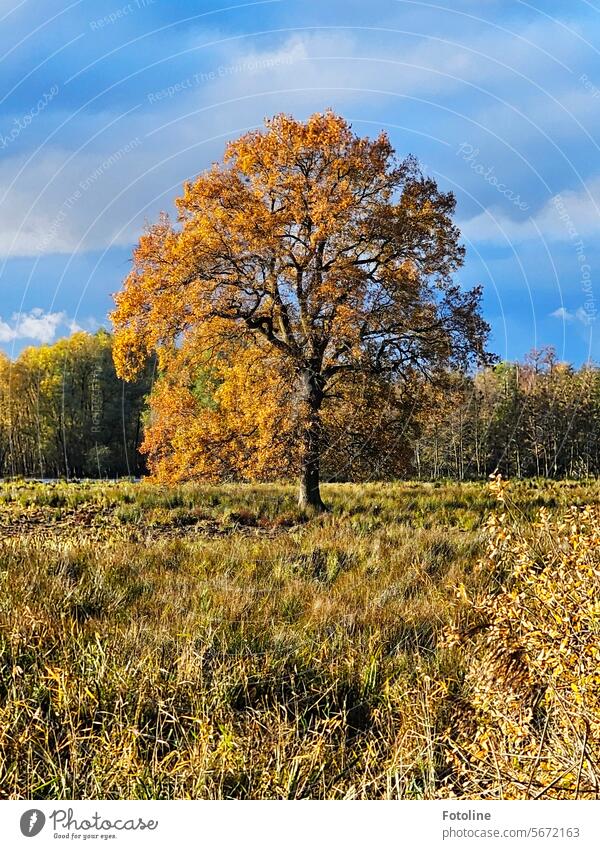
(532, 720)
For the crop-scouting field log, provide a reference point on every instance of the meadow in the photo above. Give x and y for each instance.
(215, 642)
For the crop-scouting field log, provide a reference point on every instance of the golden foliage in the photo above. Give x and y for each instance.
(239, 429)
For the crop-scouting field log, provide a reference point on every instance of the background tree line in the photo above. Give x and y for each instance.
(540, 417)
(65, 413)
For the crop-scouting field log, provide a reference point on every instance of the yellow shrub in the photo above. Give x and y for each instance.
(532, 725)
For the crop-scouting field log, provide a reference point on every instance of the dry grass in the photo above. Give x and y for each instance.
(210, 642)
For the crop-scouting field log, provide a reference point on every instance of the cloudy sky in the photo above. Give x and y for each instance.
(107, 107)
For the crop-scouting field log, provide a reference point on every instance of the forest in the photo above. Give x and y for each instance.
(65, 413)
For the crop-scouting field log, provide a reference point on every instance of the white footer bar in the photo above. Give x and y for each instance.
(301, 824)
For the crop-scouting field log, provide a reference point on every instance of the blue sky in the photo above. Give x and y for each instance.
(106, 107)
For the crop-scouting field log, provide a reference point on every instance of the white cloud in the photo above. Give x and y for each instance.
(37, 326)
(430, 61)
(579, 315)
(566, 217)
(6, 332)
(74, 326)
(52, 205)
(563, 314)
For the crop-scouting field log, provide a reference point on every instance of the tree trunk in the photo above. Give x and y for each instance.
(311, 398)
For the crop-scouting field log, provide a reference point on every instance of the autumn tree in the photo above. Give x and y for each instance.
(317, 245)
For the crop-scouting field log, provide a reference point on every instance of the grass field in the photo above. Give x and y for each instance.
(211, 642)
